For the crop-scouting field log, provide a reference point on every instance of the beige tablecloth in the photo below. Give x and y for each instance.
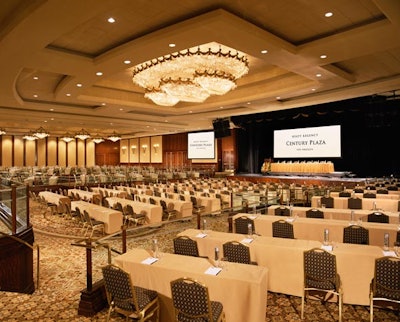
(55, 198)
(153, 212)
(367, 203)
(112, 219)
(284, 260)
(242, 289)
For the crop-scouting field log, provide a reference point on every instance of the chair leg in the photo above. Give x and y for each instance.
(340, 307)
(371, 310)
(302, 305)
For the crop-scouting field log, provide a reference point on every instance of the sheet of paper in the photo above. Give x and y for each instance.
(389, 253)
(329, 248)
(246, 240)
(213, 270)
(149, 260)
(201, 235)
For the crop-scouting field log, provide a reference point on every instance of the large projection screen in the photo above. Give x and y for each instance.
(201, 145)
(311, 142)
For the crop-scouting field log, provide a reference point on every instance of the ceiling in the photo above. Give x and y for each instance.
(48, 47)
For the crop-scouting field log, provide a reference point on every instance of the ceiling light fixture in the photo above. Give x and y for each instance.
(2, 131)
(67, 137)
(114, 137)
(30, 136)
(82, 135)
(97, 139)
(41, 133)
(191, 75)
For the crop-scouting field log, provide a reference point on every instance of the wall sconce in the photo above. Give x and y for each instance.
(133, 149)
(123, 148)
(144, 148)
(156, 146)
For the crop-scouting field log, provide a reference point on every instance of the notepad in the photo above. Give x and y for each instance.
(389, 253)
(328, 248)
(149, 260)
(246, 240)
(213, 270)
(201, 235)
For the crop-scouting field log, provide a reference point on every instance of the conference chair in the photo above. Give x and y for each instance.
(382, 191)
(385, 286)
(168, 210)
(282, 211)
(369, 195)
(314, 213)
(344, 194)
(354, 203)
(184, 245)
(197, 208)
(355, 234)
(242, 225)
(327, 201)
(378, 217)
(127, 299)
(282, 229)
(320, 276)
(191, 301)
(92, 224)
(237, 252)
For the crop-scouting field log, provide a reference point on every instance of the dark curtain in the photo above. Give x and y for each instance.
(370, 129)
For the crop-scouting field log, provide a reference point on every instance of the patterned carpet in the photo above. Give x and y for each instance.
(63, 276)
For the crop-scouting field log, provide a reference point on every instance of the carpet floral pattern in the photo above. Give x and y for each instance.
(63, 276)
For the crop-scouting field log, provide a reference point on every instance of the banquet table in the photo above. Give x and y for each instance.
(110, 192)
(339, 214)
(113, 219)
(313, 228)
(55, 198)
(284, 260)
(83, 194)
(211, 204)
(335, 194)
(153, 212)
(184, 208)
(246, 284)
(367, 203)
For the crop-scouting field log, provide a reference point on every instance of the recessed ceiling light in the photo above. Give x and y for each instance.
(104, 104)
(35, 77)
(328, 14)
(278, 97)
(221, 107)
(35, 95)
(52, 109)
(121, 109)
(264, 51)
(190, 111)
(79, 85)
(68, 94)
(323, 56)
(99, 73)
(248, 103)
(313, 89)
(127, 62)
(52, 119)
(172, 45)
(318, 75)
(111, 20)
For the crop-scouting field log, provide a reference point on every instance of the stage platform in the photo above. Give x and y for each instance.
(330, 179)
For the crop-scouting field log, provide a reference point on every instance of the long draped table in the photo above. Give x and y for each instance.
(367, 203)
(153, 212)
(55, 198)
(113, 219)
(241, 288)
(313, 228)
(284, 260)
(340, 214)
(184, 208)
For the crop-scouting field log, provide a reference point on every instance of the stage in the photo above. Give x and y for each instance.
(330, 179)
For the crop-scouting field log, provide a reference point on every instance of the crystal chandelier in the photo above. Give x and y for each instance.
(114, 137)
(97, 139)
(191, 75)
(67, 137)
(2, 131)
(41, 133)
(30, 136)
(82, 135)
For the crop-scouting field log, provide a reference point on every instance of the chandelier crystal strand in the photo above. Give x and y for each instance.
(190, 75)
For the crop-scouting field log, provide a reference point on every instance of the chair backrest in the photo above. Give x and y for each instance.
(241, 225)
(369, 195)
(378, 217)
(282, 211)
(386, 282)
(119, 288)
(354, 203)
(320, 270)
(118, 206)
(152, 201)
(163, 204)
(184, 245)
(355, 234)
(344, 194)
(382, 191)
(358, 190)
(191, 300)
(236, 252)
(282, 229)
(314, 213)
(327, 201)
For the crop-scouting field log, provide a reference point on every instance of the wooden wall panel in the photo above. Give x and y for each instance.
(18, 151)
(71, 162)
(30, 153)
(62, 153)
(90, 151)
(41, 152)
(51, 151)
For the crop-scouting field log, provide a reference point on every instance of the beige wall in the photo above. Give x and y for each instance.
(45, 152)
